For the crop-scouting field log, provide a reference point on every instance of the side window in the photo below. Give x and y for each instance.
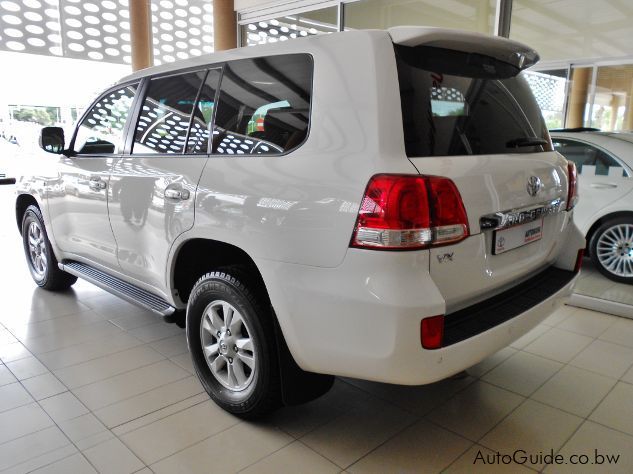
(164, 119)
(584, 154)
(101, 130)
(264, 105)
(203, 114)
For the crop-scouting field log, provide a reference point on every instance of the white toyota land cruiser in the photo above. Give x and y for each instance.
(383, 205)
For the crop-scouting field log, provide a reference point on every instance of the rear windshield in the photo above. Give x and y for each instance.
(456, 103)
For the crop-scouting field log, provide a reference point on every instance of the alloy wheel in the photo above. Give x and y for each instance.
(38, 257)
(615, 250)
(228, 345)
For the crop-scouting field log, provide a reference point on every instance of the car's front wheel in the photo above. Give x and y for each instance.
(39, 254)
(612, 249)
(231, 337)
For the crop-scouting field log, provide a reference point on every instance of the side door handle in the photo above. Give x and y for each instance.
(96, 183)
(603, 185)
(177, 194)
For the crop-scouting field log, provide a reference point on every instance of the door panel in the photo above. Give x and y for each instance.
(79, 209)
(152, 203)
(153, 188)
(79, 206)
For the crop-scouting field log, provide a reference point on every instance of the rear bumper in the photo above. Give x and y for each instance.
(362, 319)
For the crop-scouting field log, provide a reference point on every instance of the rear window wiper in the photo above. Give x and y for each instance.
(526, 141)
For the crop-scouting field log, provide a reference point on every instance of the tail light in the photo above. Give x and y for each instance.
(409, 212)
(572, 193)
(432, 332)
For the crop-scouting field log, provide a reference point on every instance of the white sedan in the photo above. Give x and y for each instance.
(605, 211)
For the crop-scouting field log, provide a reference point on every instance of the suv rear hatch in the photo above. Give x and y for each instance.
(469, 115)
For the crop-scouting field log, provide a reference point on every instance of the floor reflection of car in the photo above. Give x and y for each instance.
(605, 210)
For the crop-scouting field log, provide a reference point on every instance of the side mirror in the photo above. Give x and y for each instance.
(52, 139)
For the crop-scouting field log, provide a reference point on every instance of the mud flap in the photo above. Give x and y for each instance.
(297, 385)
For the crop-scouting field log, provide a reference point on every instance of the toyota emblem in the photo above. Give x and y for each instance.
(534, 185)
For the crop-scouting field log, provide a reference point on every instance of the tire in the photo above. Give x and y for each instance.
(611, 249)
(245, 382)
(39, 254)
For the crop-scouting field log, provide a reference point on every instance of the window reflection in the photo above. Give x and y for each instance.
(264, 105)
(101, 131)
(164, 119)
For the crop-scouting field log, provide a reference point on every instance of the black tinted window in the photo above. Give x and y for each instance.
(101, 130)
(203, 114)
(584, 154)
(164, 119)
(465, 104)
(264, 105)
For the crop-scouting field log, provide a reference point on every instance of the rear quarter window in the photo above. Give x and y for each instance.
(264, 105)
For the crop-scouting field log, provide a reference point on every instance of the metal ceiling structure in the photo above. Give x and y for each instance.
(100, 30)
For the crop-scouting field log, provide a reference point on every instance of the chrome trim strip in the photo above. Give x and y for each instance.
(504, 219)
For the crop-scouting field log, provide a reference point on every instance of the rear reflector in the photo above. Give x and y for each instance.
(581, 255)
(432, 332)
(409, 212)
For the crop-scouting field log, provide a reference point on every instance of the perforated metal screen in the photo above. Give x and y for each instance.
(100, 30)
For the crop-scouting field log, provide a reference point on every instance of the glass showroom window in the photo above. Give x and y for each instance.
(474, 15)
(316, 22)
(573, 29)
(549, 88)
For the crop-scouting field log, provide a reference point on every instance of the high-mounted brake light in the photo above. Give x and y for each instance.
(572, 192)
(409, 212)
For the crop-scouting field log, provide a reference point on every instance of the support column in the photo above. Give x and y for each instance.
(615, 106)
(224, 25)
(580, 79)
(628, 112)
(141, 34)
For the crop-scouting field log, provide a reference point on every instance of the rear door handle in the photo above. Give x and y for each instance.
(603, 185)
(96, 183)
(177, 194)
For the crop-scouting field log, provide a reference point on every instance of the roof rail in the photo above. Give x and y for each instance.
(575, 129)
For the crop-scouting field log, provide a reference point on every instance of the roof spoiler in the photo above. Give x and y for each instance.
(502, 49)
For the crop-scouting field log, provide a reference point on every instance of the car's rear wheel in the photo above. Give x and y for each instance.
(612, 249)
(231, 337)
(39, 254)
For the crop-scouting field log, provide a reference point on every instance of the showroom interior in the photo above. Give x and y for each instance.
(92, 383)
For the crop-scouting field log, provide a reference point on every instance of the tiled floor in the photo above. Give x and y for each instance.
(89, 383)
(592, 283)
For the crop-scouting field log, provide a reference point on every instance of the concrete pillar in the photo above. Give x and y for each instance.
(580, 80)
(141, 34)
(224, 25)
(615, 105)
(628, 112)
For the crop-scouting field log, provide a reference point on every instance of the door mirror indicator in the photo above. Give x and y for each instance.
(52, 140)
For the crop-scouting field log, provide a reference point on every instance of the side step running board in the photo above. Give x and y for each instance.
(118, 287)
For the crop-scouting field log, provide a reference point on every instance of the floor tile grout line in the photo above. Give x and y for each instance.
(117, 374)
(187, 375)
(199, 442)
(156, 411)
(294, 440)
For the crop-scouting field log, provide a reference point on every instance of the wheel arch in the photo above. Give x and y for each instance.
(22, 202)
(602, 220)
(197, 256)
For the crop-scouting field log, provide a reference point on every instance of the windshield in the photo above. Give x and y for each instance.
(457, 103)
